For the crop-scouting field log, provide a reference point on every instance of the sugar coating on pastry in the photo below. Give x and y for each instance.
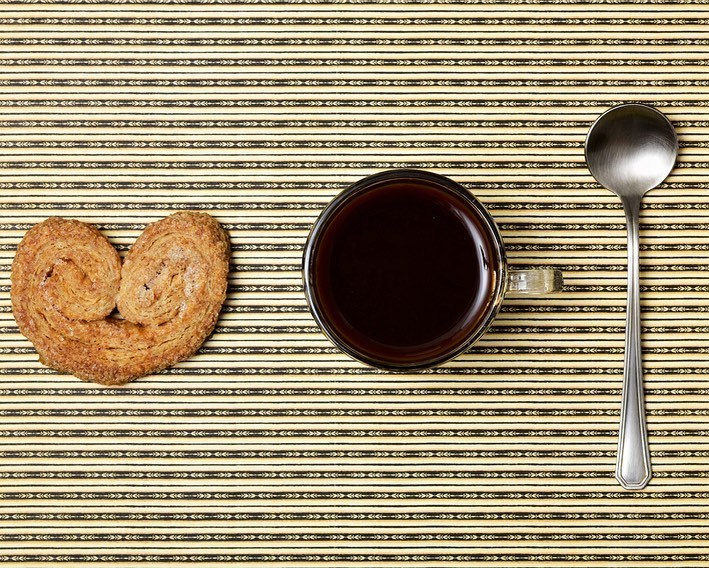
(68, 281)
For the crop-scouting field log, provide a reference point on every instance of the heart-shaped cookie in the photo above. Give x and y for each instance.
(67, 281)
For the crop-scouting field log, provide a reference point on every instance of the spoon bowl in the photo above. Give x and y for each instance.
(630, 149)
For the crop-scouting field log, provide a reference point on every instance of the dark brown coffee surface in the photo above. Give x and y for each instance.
(404, 271)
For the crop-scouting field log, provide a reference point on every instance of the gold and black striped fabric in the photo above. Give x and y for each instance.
(271, 447)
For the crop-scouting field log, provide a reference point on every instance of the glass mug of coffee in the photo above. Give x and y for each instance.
(405, 270)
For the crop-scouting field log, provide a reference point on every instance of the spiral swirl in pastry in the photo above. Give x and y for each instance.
(67, 281)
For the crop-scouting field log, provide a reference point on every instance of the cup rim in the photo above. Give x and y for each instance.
(363, 185)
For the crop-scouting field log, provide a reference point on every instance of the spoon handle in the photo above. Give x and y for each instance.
(633, 466)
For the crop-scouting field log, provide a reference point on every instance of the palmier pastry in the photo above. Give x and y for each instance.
(68, 281)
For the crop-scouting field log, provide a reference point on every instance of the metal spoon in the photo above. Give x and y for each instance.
(631, 149)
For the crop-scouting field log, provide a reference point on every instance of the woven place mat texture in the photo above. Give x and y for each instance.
(271, 447)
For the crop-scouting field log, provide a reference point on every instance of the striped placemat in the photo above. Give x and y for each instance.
(270, 447)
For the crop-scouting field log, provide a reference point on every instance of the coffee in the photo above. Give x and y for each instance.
(403, 271)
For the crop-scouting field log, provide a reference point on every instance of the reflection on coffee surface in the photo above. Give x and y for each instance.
(403, 270)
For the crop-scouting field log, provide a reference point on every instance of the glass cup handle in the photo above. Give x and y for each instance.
(536, 281)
